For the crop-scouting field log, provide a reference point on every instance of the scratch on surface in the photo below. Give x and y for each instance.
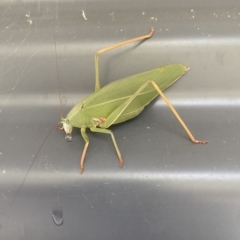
(49, 166)
(18, 79)
(7, 71)
(113, 17)
(84, 15)
(22, 42)
(39, 7)
(84, 195)
(3, 195)
(8, 87)
(88, 200)
(28, 62)
(57, 13)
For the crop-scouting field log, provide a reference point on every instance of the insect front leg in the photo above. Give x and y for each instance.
(86, 139)
(103, 130)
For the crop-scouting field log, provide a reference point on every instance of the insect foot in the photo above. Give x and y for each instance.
(121, 163)
(201, 141)
(81, 170)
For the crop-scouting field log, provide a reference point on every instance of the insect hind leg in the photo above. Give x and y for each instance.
(97, 81)
(111, 119)
(176, 114)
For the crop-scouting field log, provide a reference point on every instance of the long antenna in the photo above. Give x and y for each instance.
(31, 165)
(55, 126)
(58, 81)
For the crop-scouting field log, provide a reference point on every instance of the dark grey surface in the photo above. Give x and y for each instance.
(169, 188)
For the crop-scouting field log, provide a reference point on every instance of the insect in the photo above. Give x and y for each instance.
(121, 100)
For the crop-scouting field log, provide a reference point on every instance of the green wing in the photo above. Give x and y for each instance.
(113, 95)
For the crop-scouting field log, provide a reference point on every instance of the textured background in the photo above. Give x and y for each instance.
(169, 188)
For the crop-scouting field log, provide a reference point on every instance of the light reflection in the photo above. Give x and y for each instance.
(59, 176)
(176, 99)
(91, 47)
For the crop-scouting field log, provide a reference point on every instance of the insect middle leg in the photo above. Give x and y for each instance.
(103, 130)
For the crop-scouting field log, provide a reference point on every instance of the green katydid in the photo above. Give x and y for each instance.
(106, 107)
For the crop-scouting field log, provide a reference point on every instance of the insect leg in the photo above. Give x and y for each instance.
(97, 81)
(85, 137)
(118, 111)
(176, 114)
(102, 130)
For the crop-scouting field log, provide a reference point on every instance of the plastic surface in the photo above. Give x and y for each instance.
(169, 188)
